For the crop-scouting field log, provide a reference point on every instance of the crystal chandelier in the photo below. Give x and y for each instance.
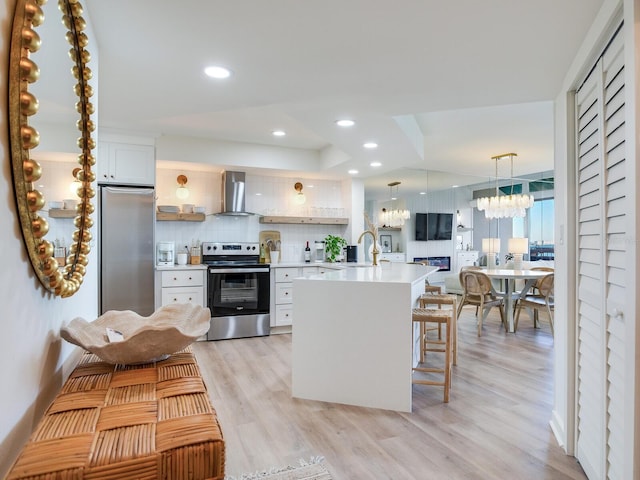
(393, 217)
(505, 206)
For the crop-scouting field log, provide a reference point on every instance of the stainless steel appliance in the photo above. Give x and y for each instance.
(237, 290)
(233, 194)
(126, 249)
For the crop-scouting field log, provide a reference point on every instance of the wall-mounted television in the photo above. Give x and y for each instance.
(434, 226)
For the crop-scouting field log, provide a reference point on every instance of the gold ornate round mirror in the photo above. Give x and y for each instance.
(23, 71)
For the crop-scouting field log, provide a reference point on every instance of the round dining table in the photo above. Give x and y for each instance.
(509, 277)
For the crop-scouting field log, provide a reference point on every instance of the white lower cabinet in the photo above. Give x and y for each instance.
(283, 295)
(393, 257)
(466, 258)
(181, 286)
(282, 287)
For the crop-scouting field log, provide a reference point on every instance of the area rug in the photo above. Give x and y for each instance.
(311, 469)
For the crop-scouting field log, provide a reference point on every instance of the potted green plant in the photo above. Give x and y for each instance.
(333, 246)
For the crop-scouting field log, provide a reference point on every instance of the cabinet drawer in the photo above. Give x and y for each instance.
(286, 274)
(284, 293)
(284, 315)
(193, 295)
(182, 278)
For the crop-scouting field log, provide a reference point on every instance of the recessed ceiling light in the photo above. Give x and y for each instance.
(423, 193)
(258, 194)
(375, 164)
(370, 145)
(353, 172)
(345, 123)
(278, 133)
(215, 71)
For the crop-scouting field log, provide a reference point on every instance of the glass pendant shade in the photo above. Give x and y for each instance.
(505, 206)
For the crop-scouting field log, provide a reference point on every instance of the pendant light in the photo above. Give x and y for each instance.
(393, 217)
(505, 206)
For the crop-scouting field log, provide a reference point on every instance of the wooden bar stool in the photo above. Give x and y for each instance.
(439, 316)
(439, 300)
(428, 288)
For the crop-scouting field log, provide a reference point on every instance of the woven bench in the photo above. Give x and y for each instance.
(151, 421)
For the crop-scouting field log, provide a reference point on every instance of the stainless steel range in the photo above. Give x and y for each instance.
(237, 290)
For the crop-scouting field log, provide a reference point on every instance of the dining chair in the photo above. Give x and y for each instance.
(540, 269)
(539, 299)
(478, 290)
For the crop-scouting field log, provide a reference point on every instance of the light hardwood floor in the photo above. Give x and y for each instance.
(496, 425)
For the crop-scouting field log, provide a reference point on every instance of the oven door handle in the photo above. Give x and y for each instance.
(239, 270)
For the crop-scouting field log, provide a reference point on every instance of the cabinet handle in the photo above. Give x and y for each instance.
(175, 279)
(286, 293)
(113, 176)
(190, 278)
(175, 299)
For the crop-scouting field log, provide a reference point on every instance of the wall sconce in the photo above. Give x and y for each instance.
(182, 192)
(518, 246)
(491, 246)
(300, 197)
(76, 184)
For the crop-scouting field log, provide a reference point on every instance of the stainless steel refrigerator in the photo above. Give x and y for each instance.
(126, 249)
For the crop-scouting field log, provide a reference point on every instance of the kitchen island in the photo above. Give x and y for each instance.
(352, 337)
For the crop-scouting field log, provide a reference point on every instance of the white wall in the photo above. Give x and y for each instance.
(32, 354)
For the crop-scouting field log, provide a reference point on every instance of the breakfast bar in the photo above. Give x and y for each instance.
(352, 335)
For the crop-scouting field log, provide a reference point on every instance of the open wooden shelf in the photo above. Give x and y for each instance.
(390, 229)
(62, 213)
(307, 220)
(180, 217)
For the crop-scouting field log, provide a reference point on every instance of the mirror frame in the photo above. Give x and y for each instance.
(61, 281)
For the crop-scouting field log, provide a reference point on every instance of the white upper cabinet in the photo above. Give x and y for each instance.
(126, 164)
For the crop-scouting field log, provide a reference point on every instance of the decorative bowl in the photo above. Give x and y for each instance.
(143, 339)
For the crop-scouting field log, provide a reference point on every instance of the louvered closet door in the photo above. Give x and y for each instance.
(601, 244)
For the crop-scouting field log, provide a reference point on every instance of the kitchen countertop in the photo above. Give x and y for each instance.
(365, 272)
(333, 265)
(181, 267)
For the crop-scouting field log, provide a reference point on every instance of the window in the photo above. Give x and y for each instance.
(538, 227)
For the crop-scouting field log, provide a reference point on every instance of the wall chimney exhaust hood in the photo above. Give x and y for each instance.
(233, 194)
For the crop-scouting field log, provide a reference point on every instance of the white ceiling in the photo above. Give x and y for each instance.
(439, 85)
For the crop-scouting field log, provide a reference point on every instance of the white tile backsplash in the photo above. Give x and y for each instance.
(276, 197)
